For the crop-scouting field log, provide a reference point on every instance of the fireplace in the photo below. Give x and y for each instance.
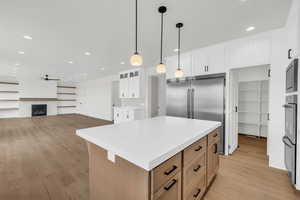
(39, 110)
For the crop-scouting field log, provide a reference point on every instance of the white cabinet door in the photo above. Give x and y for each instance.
(248, 53)
(186, 65)
(119, 115)
(134, 84)
(124, 85)
(210, 60)
(199, 62)
(171, 66)
(216, 59)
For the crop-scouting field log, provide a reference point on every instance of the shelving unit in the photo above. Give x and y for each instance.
(9, 99)
(66, 99)
(253, 108)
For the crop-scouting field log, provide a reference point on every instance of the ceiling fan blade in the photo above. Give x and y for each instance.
(53, 79)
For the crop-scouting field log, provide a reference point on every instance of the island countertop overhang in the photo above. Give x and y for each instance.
(148, 143)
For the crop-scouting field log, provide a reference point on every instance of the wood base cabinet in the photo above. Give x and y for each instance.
(212, 156)
(185, 176)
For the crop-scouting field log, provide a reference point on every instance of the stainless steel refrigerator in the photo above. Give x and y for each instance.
(201, 97)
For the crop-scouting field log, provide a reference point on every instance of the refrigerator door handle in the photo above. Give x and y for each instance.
(188, 103)
(192, 103)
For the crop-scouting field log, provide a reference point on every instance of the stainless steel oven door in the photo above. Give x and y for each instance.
(291, 121)
(290, 158)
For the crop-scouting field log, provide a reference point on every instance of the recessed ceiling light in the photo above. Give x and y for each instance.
(21, 52)
(175, 50)
(250, 28)
(27, 37)
(122, 63)
(87, 53)
(70, 62)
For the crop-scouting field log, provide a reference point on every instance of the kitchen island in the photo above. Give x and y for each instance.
(163, 158)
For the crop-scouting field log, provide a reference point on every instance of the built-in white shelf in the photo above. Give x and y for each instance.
(66, 96)
(253, 108)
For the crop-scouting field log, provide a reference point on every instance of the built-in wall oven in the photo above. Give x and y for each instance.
(292, 77)
(290, 138)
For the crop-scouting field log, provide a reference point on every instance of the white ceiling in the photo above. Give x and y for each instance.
(63, 30)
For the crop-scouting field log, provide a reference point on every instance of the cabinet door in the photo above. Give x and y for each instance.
(199, 62)
(212, 162)
(171, 190)
(124, 85)
(248, 53)
(171, 65)
(186, 65)
(134, 84)
(216, 59)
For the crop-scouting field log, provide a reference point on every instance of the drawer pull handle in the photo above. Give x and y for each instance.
(199, 148)
(167, 173)
(197, 168)
(216, 135)
(197, 194)
(167, 188)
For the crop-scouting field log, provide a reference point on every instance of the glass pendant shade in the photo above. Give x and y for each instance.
(136, 60)
(161, 68)
(179, 73)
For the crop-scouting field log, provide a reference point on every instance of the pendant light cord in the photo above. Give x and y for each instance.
(136, 25)
(179, 46)
(161, 37)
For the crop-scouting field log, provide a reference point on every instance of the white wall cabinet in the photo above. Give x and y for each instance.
(186, 65)
(126, 114)
(210, 60)
(248, 53)
(130, 84)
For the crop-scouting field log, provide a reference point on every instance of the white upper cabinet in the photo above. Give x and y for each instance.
(200, 62)
(130, 84)
(246, 53)
(186, 65)
(134, 84)
(216, 59)
(124, 84)
(210, 60)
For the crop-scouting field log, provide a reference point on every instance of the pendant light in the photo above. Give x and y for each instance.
(161, 67)
(179, 72)
(136, 59)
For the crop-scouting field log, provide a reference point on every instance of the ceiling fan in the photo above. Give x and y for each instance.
(46, 78)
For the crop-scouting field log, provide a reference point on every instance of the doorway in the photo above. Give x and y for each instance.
(249, 98)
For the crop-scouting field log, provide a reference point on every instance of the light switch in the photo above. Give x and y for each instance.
(111, 156)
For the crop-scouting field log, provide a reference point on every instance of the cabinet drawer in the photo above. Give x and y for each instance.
(194, 150)
(170, 190)
(214, 137)
(194, 171)
(164, 172)
(197, 190)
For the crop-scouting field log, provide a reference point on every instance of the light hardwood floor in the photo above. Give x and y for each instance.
(42, 159)
(246, 176)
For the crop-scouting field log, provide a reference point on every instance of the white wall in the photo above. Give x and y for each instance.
(94, 97)
(32, 87)
(279, 62)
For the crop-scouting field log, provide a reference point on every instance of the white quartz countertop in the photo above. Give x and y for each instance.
(148, 143)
